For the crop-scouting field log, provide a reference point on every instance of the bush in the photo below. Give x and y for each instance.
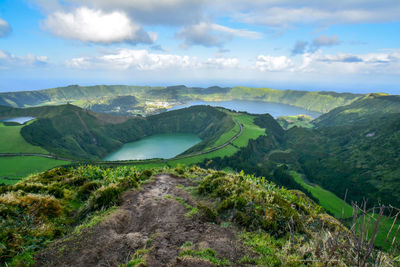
(85, 190)
(104, 197)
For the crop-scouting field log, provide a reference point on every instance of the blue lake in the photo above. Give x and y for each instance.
(20, 120)
(156, 146)
(255, 107)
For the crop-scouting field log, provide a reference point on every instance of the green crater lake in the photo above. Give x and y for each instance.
(155, 146)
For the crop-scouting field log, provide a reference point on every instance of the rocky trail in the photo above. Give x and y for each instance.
(150, 220)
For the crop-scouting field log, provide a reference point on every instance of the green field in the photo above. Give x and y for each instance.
(20, 167)
(225, 137)
(250, 130)
(334, 205)
(13, 142)
(327, 199)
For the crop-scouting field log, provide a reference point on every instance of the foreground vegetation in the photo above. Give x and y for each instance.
(281, 227)
(45, 206)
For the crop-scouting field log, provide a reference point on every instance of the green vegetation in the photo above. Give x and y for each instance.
(148, 100)
(266, 249)
(138, 258)
(15, 168)
(45, 206)
(250, 129)
(72, 132)
(315, 101)
(207, 254)
(370, 107)
(288, 122)
(225, 137)
(327, 199)
(279, 227)
(192, 210)
(13, 142)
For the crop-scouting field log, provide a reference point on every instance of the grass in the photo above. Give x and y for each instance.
(327, 199)
(13, 142)
(250, 130)
(225, 137)
(207, 254)
(94, 219)
(334, 205)
(265, 248)
(47, 206)
(19, 167)
(192, 210)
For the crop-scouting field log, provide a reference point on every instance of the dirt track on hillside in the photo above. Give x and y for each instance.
(146, 219)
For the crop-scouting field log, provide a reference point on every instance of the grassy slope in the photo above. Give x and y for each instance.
(250, 131)
(85, 96)
(225, 137)
(372, 106)
(327, 199)
(315, 101)
(19, 167)
(334, 205)
(87, 195)
(13, 142)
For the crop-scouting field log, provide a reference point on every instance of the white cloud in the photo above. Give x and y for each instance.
(370, 63)
(286, 13)
(96, 26)
(326, 40)
(8, 60)
(161, 12)
(222, 63)
(209, 34)
(273, 13)
(143, 60)
(271, 63)
(133, 59)
(5, 28)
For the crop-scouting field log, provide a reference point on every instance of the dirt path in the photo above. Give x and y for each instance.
(147, 219)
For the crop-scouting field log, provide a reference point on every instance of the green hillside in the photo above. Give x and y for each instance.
(315, 101)
(200, 216)
(370, 107)
(361, 157)
(70, 131)
(13, 142)
(125, 100)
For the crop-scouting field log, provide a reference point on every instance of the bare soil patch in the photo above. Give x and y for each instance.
(147, 218)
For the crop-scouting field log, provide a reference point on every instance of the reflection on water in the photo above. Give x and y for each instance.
(20, 120)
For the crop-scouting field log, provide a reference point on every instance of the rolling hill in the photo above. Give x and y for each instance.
(117, 99)
(70, 131)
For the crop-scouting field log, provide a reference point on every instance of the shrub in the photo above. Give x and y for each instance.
(85, 190)
(104, 197)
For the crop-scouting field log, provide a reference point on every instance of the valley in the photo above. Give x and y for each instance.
(187, 133)
(295, 148)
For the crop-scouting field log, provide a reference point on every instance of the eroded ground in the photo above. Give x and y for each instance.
(152, 226)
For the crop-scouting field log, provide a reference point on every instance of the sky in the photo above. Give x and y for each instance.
(342, 45)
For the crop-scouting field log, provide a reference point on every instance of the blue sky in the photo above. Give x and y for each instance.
(342, 45)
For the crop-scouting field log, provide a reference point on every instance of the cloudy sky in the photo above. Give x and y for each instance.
(342, 45)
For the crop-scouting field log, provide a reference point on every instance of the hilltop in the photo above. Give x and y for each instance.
(176, 217)
(70, 131)
(128, 100)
